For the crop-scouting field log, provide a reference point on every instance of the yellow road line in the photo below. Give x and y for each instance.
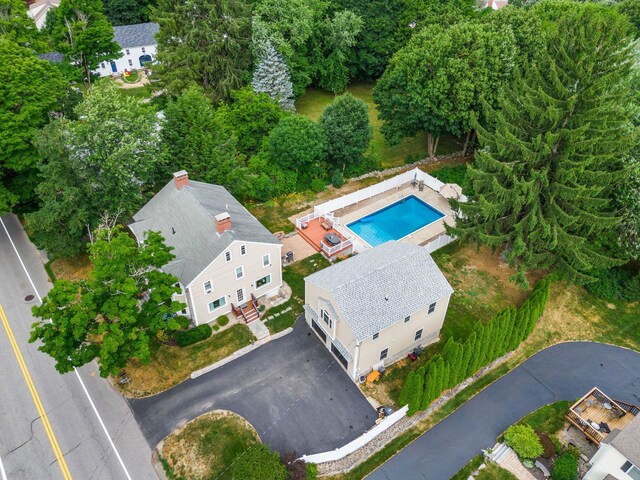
(36, 399)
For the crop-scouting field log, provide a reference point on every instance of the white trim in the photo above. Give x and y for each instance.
(235, 270)
(266, 284)
(268, 264)
(2, 471)
(193, 308)
(95, 410)
(224, 297)
(204, 286)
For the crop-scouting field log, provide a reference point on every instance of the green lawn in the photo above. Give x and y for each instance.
(294, 276)
(549, 419)
(138, 92)
(314, 101)
(494, 472)
(206, 447)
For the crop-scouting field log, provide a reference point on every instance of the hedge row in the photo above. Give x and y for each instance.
(193, 335)
(458, 361)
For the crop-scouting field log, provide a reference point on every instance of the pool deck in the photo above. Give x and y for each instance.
(420, 237)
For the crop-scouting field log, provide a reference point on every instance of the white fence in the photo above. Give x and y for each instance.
(366, 193)
(359, 442)
(439, 242)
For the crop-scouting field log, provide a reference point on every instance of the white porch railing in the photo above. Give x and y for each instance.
(336, 248)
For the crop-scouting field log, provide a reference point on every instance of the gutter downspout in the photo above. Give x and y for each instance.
(192, 307)
(356, 358)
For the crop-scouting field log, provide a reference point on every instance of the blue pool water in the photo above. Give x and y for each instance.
(395, 221)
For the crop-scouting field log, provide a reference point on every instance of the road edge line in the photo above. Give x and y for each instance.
(95, 410)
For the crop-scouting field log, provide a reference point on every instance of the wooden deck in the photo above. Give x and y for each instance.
(590, 410)
(314, 235)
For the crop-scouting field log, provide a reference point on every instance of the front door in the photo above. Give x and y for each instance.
(114, 69)
(240, 295)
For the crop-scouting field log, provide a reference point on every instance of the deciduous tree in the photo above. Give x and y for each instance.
(29, 90)
(83, 33)
(553, 152)
(347, 129)
(438, 81)
(113, 316)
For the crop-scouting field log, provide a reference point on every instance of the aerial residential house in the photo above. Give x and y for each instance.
(614, 425)
(138, 46)
(38, 11)
(226, 260)
(372, 309)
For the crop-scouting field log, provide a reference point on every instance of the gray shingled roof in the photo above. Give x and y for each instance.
(185, 219)
(138, 35)
(627, 440)
(53, 57)
(382, 286)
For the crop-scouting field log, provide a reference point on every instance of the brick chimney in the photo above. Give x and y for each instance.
(181, 179)
(223, 222)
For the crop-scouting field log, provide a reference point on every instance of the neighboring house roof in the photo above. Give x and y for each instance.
(138, 35)
(185, 218)
(381, 286)
(497, 4)
(53, 57)
(38, 10)
(627, 440)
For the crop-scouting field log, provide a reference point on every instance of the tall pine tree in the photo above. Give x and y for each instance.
(272, 76)
(552, 151)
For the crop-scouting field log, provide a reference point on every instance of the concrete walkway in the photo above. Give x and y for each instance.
(562, 372)
(259, 329)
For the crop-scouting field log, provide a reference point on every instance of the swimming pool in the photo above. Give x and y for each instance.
(395, 221)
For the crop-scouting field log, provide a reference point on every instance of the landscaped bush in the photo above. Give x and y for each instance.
(193, 335)
(456, 174)
(549, 449)
(317, 185)
(458, 361)
(337, 180)
(524, 441)
(616, 284)
(258, 463)
(565, 467)
(223, 320)
(184, 322)
(312, 471)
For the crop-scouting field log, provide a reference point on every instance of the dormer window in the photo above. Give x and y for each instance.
(326, 318)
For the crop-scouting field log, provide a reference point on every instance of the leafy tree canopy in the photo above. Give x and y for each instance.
(250, 116)
(437, 83)
(16, 25)
(126, 12)
(206, 42)
(109, 157)
(83, 33)
(29, 90)
(196, 140)
(114, 315)
(553, 152)
(347, 129)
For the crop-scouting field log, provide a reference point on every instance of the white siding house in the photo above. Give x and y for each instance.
(619, 455)
(38, 11)
(226, 260)
(138, 46)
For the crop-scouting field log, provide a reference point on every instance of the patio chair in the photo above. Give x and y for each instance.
(326, 224)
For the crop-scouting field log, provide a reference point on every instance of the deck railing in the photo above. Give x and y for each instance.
(591, 432)
(330, 251)
(629, 407)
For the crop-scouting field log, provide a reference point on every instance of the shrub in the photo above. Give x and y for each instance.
(548, 447)
(337, 180)
(223, 320)
(557, 444)
(524, 441)
(184, 322)
(216, 327)
(616, 284)
(573, 451)
(258, 463)
(261, 308)
(193, 335)
(317, 185)
(312, 471)
(296, 469)
(565, 468)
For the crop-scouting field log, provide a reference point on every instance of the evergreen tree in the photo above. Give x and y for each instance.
(428, 388)
(552, 152)
(272, 77)
(471, 352)
(207, 42)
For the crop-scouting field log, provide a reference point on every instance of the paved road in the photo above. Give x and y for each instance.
(26, 451)
(563, 372)
(291, 390)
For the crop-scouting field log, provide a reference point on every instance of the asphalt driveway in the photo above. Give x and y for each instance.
(291, 390)
(563, 372)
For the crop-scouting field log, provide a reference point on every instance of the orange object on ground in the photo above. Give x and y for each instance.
(372, 377)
